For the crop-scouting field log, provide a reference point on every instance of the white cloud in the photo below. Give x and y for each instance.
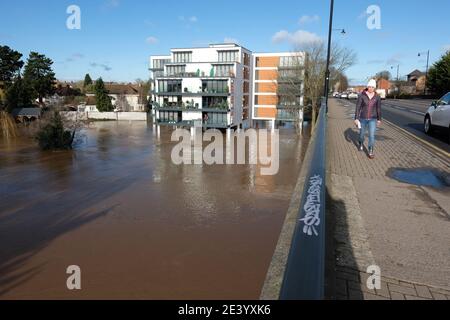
(152, 40)
(298, 38)
(192, 19)
(230, 40)
(308, 19)
(112, 3)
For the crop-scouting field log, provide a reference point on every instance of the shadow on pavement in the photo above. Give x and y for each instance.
(337, 230)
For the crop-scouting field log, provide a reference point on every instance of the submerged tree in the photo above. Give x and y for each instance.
(54, 136)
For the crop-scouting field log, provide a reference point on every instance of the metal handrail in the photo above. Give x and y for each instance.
(305, 269)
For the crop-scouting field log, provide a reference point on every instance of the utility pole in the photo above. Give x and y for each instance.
(327, 70)
(426, 72)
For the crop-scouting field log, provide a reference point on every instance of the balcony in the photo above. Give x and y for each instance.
(202, 75)
(218, 107)
(199, 93)
(218, 125)
(191, 108)
(176, 107)
(192, 123)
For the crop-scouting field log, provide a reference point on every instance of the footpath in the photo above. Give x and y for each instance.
(403, 228)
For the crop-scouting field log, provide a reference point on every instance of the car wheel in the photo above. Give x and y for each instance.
(448, 134)
(427, 127)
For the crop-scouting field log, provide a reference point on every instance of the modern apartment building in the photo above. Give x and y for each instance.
(278, 86)
(219, 86)
(209, 87)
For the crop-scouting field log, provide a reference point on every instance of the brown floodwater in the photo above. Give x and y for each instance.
(139, 226)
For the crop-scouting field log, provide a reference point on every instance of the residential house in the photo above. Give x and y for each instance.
(125, 97)
(26, 114)
(417, 80)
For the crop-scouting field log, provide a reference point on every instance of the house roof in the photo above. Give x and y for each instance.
(416, 73)
(122, 89)
(28, 112)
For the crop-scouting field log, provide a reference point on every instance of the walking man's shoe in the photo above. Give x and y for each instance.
(360, 146)
(371, 154)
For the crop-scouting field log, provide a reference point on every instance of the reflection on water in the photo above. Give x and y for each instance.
(138, 225)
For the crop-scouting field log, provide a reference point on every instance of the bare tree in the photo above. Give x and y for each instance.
(122, 103)
(383, 75)
(7, 126)
(340, 82)
(341, 58)
(289, 88)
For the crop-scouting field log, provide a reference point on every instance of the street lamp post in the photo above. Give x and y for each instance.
(398, 78)
(327, 70)
(426, 72)
(398, 68)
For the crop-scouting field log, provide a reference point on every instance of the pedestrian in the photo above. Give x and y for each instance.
(368, 116)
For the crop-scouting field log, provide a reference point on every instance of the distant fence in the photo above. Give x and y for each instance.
(95, 115)
(304, 276)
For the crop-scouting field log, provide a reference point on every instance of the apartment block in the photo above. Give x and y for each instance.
(219, 86)
(278, 87)
(209, 87)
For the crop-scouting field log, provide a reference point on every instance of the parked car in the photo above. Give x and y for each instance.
(438, 115)
(336, 95)
(352, 95)
(344, 95)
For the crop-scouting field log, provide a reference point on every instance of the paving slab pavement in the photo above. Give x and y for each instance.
(402, 228)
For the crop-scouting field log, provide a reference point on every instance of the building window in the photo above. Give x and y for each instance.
(228, 56)
(284, 114)
(160, 63)
(216, 118)
(175, 70)
(215, 102)
(215, 86)
(169, 101)
(246, 73)
(246, 59)
(246, 87)
(157, 74)
(225, 70)
(289, 73)
(291, 61)
(169, 116)
(169, 86)
(182, 57)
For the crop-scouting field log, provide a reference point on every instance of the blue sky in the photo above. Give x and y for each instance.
(118, 36)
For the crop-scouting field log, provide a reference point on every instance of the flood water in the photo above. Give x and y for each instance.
(138, 226)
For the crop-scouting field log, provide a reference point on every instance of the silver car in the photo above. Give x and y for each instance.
(438, 115)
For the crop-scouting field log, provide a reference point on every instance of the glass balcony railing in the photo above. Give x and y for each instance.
(197, 75)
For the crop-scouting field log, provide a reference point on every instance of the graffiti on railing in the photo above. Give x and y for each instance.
(312, 206)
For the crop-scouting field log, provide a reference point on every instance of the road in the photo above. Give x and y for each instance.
(409, 115)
